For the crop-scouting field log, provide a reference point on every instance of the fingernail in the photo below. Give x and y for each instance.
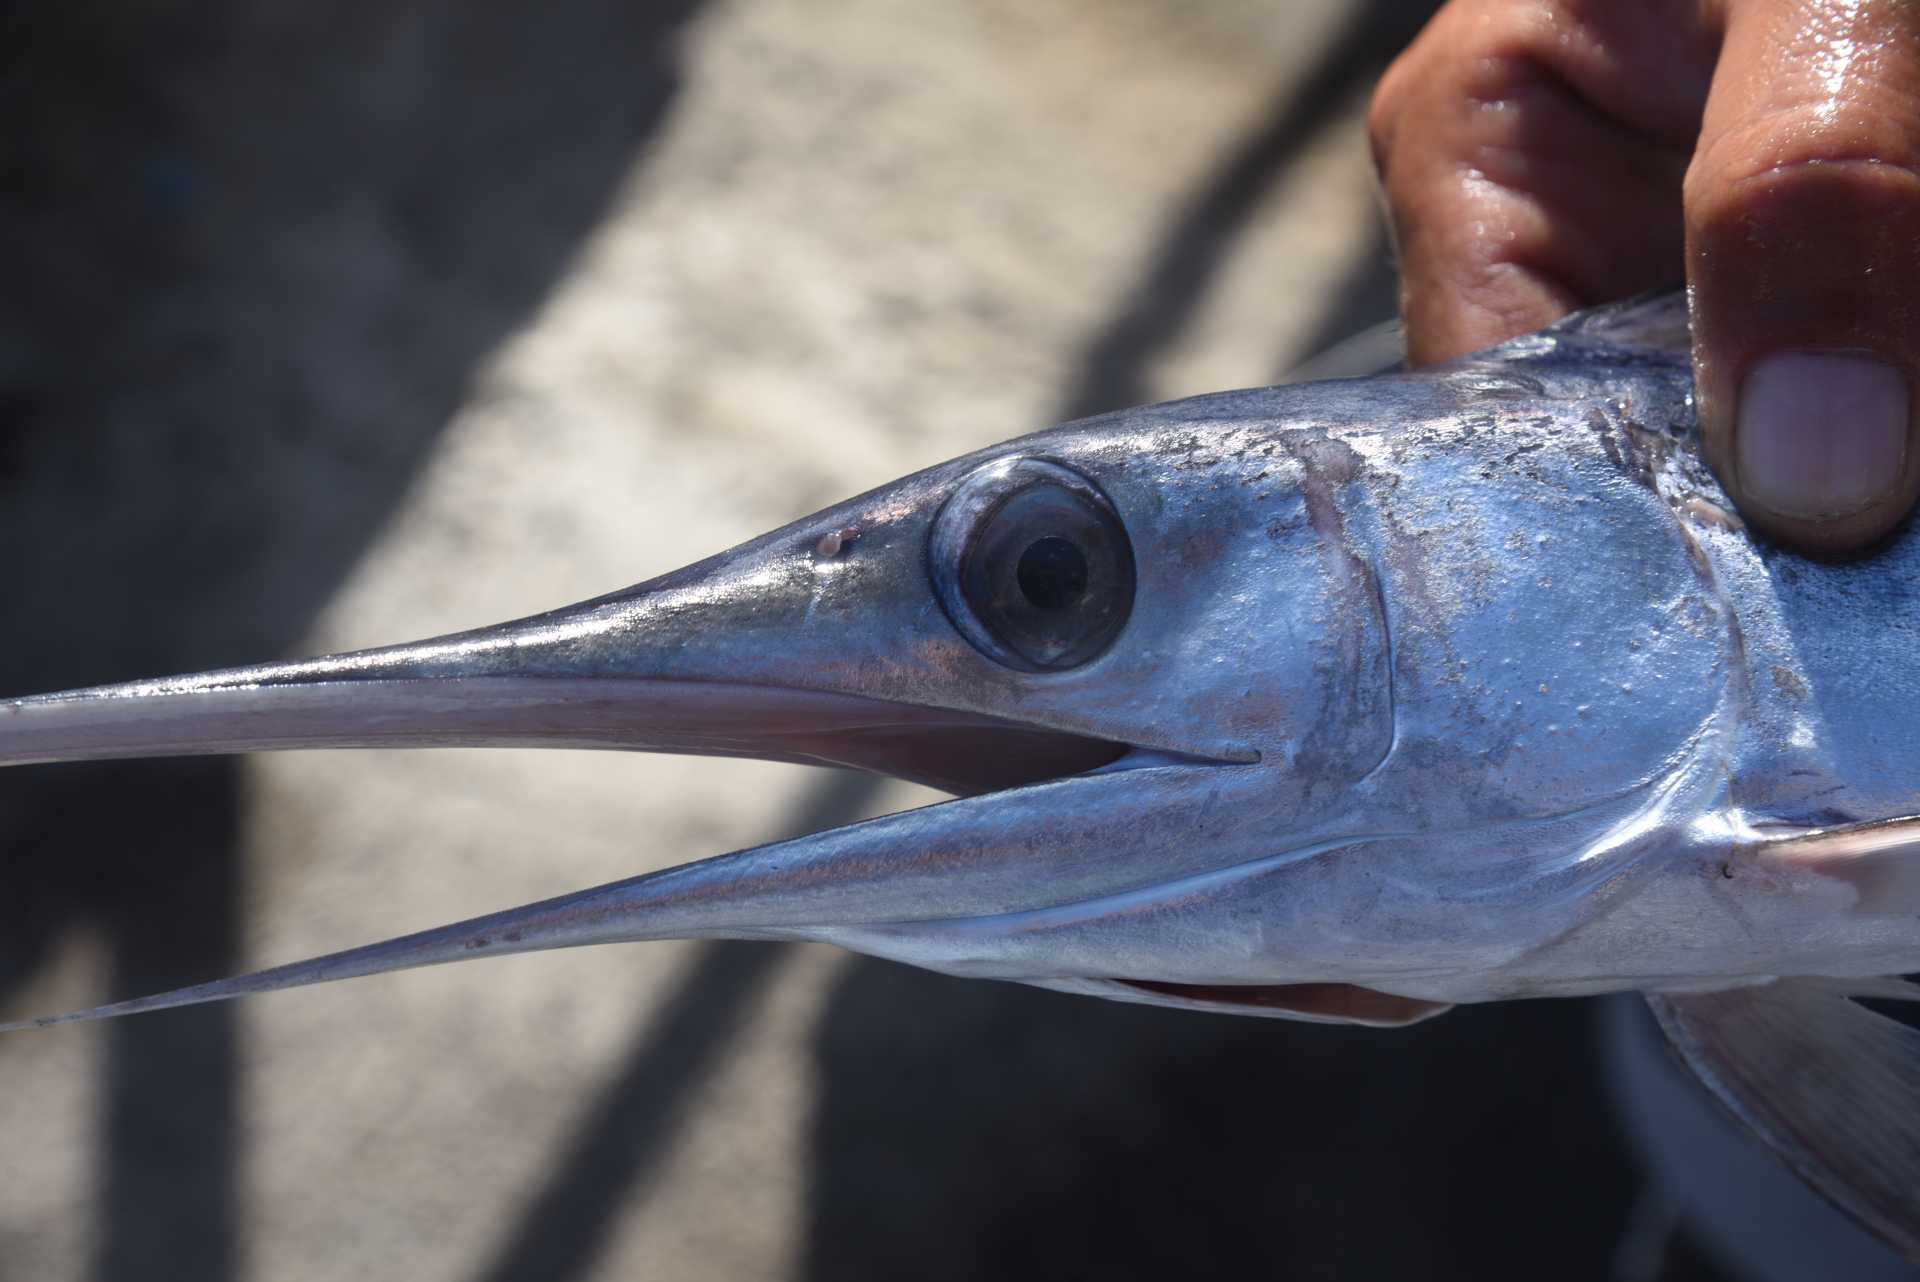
(1821, 433)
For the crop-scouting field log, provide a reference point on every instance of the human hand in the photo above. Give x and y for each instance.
(1544, 155)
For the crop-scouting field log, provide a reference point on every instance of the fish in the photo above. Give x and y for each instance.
(1346, 701)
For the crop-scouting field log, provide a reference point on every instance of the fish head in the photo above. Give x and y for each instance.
(1148, 651)
(1169, 583)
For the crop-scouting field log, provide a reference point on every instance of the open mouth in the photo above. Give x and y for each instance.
(722, 660)
(966, 754)
(1045, 816)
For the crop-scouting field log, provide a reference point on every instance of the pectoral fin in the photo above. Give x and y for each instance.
(1832, 1086)
(1880, 860)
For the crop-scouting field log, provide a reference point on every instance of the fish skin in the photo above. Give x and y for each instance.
(1461, 684)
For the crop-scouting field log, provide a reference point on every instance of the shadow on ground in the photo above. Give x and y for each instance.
(995, 1131)
(254, 254)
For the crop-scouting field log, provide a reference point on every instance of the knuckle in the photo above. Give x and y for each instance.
(1812, 143)
(1765, 196)
(1466, 41)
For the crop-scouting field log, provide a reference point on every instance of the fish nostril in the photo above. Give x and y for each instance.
(1053, 573)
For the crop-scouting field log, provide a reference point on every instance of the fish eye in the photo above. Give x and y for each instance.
(1032, 565)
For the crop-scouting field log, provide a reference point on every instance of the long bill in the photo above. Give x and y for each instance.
(735, 657)
(777, 650)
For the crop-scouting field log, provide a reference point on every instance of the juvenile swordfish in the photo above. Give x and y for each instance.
(1345, 701)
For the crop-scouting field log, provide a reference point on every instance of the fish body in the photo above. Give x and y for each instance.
(1343, 701)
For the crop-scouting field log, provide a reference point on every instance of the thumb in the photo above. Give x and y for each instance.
(1803, 259)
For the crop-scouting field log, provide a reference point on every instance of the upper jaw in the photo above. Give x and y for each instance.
(821, 643)
(590, 677)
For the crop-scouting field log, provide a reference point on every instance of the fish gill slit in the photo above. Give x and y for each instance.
(1376, 585)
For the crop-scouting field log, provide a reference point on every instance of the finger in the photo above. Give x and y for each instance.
(1532, 158)
(1803, 253)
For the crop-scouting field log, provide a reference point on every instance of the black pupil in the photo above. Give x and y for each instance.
(1053, 573)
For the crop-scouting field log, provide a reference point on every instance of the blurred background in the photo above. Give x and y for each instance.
(327, 326)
